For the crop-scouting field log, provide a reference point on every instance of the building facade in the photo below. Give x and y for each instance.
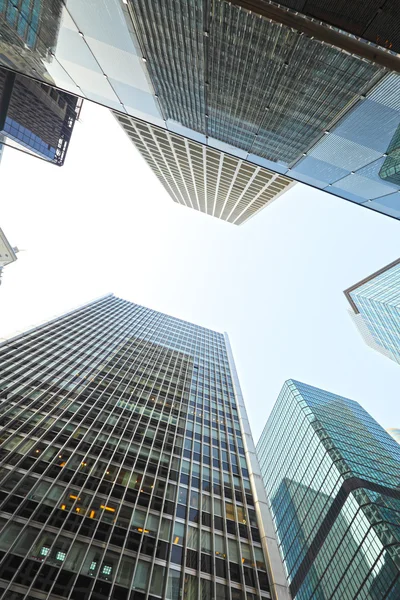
(124, 463)
(278, 87)
(332, 478)
(208, 180)
(375, 308)
(35, 117)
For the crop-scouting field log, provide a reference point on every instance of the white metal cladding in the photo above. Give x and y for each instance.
(204, 178)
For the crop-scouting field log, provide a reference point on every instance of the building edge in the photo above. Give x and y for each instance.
(275, 568)
(14, 336)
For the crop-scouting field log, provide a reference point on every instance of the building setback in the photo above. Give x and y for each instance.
(202, 178)
(294, 91)
(125, 463)
(332, 479)
(375, 309)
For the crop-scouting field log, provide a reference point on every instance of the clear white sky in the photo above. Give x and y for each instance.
(103, 223)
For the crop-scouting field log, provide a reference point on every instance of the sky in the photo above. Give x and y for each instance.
(103, 223)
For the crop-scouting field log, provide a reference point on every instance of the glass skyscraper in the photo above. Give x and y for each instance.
(332, 477)
(125, 463)
(35, 117)
(293, 90)
(375, 309)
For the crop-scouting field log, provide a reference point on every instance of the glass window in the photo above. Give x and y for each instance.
(217, 507)
(233, 551)
(141, 575)
(9, 534)
(205, 541)
(173, 587)
(193, 538)
(179, 533)
(182, 495)
(190, 588)
(152, 524)
(157, 580)
(92, 561)
(222, 592)
(108, 566)
(42, 547)
(246, 554)
(230, 511)
(165, 529)
(125, 571)
(220, 547)
(59, 551)
(75, 556)
(138, 519)
(194, 499)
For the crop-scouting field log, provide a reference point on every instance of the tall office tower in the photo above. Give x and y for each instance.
(202, 178)
(280, 88)
(7, 252)
(332, 477)
(36, 117)
(375, 309)
(128, 470)
(395, 433)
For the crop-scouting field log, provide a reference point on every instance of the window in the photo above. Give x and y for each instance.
(141, 576)
(157, 580)
(173, 586)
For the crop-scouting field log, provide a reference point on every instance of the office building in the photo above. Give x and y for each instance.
(395, 433)
(128, 470)
(202, 178)
(7, 252)
(299, 95)
(332, 478)
(36, 118)
(375, 309)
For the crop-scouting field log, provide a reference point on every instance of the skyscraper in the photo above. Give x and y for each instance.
(375, 309)
(332, 478)
(128, 470)
(294, 93)
(202, 178)
(36, 117)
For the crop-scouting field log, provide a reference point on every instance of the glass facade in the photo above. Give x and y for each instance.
(123, 469)
(35, 117)
(376, 302)
(235, 81)
(332, 477)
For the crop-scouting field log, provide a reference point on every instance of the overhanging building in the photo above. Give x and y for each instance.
(128, 470)
(332, 478)
(203, 178)
(375, 309)
(292, 90)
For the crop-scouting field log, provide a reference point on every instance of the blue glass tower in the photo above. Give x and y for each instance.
(375, 303)
(332, 477)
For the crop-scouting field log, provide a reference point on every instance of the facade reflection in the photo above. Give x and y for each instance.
(239, 82)
(332, 475)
